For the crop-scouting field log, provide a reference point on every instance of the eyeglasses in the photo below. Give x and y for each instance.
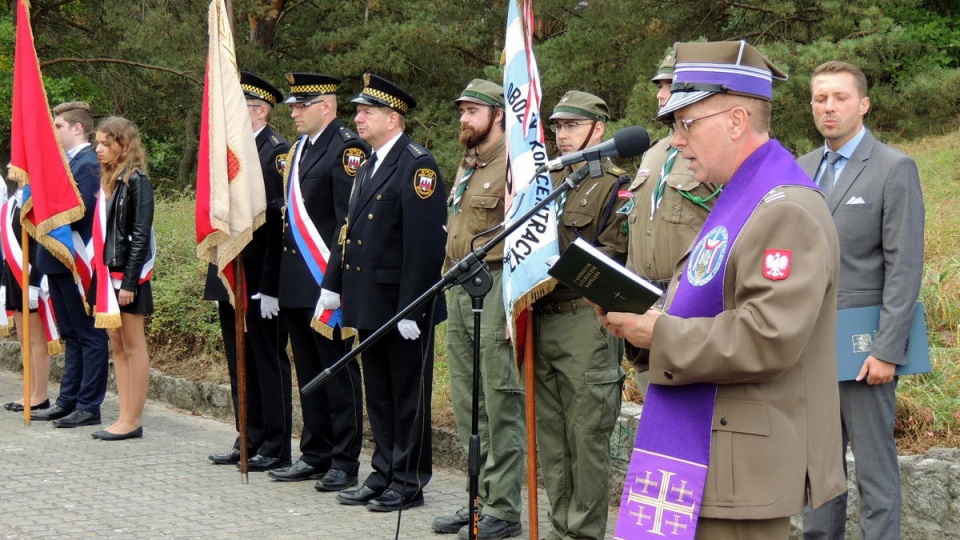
(304, 105)
(557, 127)
(683, 126)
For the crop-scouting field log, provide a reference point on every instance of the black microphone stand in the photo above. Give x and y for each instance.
(472, 273)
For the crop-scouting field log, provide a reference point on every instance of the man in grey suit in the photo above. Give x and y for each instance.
(873, 192)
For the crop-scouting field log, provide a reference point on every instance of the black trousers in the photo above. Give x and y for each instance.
(332, 414)
(398, 388)
(269, 384)
(85, 370)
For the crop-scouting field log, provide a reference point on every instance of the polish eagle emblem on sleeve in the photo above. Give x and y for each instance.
(776, 264)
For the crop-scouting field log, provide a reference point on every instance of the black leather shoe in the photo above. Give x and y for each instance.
(53, 413)
(107, 436)
(361, 495)
(260, 463)
(78, 418)
(391, 500)
(452, 523)
(336, 480)
(230, 458)
(300, 470)
(18, 407)
(492, 528)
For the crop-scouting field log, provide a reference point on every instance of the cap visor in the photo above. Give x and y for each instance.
(567, 116)
(478, 101)
(679, 100)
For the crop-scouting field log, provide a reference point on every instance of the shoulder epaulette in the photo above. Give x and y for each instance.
(277, 140)
(416, 149)
(346, 134)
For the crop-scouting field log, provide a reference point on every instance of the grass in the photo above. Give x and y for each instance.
(185, 340)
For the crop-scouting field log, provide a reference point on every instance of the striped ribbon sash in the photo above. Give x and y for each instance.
(107, 310)
(314, 251)
(461, 187)
(13, 252)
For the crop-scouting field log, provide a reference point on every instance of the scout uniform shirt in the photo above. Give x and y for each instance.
(660, 236)
(481, 206)
(595, 211)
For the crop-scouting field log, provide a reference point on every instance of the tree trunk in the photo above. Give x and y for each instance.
(186, 176)
(263, 21)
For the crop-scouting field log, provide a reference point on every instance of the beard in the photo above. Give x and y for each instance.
(472, 138)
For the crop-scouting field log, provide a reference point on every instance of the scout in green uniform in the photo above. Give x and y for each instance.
(669, 205)
(476, 205)
(577, 370)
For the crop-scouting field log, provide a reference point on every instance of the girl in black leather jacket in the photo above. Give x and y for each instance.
(124, 251)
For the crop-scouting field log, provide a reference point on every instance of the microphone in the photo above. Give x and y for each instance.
(628, 142)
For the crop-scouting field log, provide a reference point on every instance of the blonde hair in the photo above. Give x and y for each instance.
(131, 157)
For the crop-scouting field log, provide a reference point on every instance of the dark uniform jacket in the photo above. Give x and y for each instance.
(393, 246)
(86, 173)
(326, 178)
(261, 257)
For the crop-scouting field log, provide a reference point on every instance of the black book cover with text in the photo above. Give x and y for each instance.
(604, 281)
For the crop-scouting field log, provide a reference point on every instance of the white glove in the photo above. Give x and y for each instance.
(3, 297)
(269, 306)
(408, 329)
(34, 297)
(329, 299)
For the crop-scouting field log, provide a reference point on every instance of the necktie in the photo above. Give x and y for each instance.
(829, 177)
(657, 194)
(461, 187)
(368, 171)
(303, 153)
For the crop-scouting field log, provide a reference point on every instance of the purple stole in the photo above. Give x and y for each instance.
(663, 488)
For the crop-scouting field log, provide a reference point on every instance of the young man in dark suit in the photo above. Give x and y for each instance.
(84, 382)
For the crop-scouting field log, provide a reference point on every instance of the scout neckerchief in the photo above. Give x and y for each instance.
(469, 166)
(657, 194)
(313, 249)
(13, 252)
(668, 468)
(107, 307)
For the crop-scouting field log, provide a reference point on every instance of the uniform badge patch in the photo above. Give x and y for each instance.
(424, 182)
(707, 256)
(352, 158)
(281, 163)
(776, 264)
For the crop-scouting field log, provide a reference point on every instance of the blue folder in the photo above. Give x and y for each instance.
(856, 328)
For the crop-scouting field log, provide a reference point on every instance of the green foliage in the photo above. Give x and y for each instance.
(183, 324)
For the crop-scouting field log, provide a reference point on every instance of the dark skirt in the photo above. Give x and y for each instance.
(142, 303)
(14, 293)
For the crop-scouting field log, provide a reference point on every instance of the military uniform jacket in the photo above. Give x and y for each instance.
(481, 207)
(326, 178)
(261, 257)
(596, 211)
(393, 244)
(656, 244)
(775, 425)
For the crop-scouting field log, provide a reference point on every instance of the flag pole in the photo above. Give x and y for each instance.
(240, 333)
(531, 418)
(25, 318)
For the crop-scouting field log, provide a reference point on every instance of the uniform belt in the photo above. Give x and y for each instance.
(662, 284)
(541, 308)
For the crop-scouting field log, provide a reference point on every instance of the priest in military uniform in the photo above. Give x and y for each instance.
(322, 166)
(390, 252)
(269, 412)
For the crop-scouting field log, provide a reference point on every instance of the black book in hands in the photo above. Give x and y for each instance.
(604, 281)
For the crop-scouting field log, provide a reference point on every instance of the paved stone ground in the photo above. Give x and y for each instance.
(61, 483)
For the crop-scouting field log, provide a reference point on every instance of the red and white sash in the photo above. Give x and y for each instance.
(13, 252)
(107, 307)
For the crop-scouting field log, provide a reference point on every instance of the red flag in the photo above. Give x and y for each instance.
(36, 156)
(231, 200)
